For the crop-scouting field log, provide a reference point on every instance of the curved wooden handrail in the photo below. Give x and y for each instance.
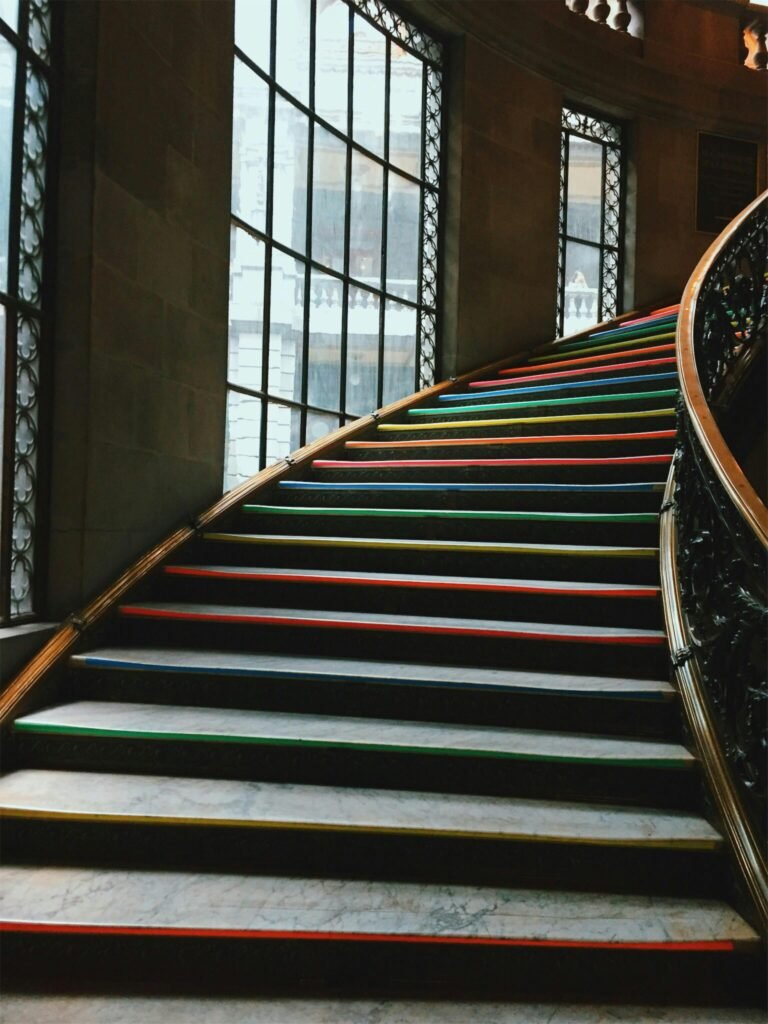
(729, 472)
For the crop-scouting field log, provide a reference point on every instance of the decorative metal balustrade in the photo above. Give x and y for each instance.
(720, 549)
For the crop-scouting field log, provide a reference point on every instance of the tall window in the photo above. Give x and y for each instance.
(25, 43)
(590, 260)
(335, 202)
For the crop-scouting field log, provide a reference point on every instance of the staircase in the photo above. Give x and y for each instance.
(400, 730)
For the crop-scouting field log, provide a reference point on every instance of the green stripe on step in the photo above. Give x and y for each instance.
(271, 741)
(432, 513)
(538, 403)
(613, 346)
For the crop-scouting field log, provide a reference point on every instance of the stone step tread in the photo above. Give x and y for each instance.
(163, 799)
(579, 417)
(298, 667)
(502, 515)
(480, 462)
(263, 906)
(639, 487)
(162, 721)
(535, 403)
(422, 544)
(531, 373)
(568, 385)
(383, 579)
(26, 1008)
(540, 439)
(189, 611)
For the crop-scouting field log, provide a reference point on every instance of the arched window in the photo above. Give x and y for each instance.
(25, 44)
(335, 203)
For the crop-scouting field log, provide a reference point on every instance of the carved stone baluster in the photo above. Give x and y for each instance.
(622, 17)
(600, 11)
(755, 42)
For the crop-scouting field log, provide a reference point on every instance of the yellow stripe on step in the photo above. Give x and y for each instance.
(476, 547)
(578, 418)
(312, 826)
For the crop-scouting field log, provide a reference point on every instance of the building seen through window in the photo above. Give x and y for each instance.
(335, 199)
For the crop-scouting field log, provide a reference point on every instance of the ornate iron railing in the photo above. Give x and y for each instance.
(719, 548)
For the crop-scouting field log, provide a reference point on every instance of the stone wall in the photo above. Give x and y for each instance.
(142, 281)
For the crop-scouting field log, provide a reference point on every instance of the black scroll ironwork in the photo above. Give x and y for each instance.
(722, 561)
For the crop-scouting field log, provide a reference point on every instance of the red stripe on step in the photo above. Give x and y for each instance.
(387, 627)
(648, 435)
(573, 373)
(606, 357)
(653, 316)
(724, 946)
(623, 460)
(378, 581)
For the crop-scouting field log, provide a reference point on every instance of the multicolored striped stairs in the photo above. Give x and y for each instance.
(402, 726)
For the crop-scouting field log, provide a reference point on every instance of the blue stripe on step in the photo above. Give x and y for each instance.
(271, 673)
(604, 383)
(315, 485)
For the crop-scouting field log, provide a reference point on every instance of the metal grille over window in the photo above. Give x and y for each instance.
(590, 252)
(25, 48)
(335, 220)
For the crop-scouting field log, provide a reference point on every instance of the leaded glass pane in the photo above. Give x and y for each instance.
(324, 370)
(328, 199)
(9, 13)
(283, 431)
(249, 147)
(320, 424)
(370, 84)
(365, 219)
(362, 351)
(399, 351)
(286, 330)
(242, 454)
(289, 193)
(7, 81)
(292, 50)
(332, 57)
(405, 105)
(585, 189)
(403, 237)
(246, 309)
(252, 30)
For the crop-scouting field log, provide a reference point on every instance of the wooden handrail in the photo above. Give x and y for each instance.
(729, 472)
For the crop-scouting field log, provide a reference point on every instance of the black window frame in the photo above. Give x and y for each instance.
(610, 134)
(428, 48)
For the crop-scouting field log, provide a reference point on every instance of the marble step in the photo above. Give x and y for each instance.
(665, 349)
(385, 688)
(634, 527)
(361, 752)
(653, 437)
(615, 345)
(141, 1008)
(641, 336)
(582, 386)
(623, 563)
(222, 725)
(641, 496)
(293, 828)
(578, 602)
(530, 375)
(575, 423)
(480, 462)
(648, 399)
